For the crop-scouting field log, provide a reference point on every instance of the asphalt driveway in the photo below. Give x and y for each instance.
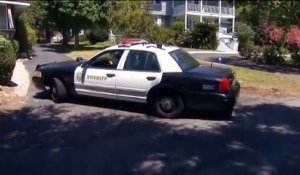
(92, 136)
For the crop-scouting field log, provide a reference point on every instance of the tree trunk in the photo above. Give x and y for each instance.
(65, 37)
(48, 36)
(76, 35)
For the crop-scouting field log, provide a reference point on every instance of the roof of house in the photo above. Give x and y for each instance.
(15, 3)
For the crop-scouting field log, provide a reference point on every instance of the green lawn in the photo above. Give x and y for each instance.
(86, 50)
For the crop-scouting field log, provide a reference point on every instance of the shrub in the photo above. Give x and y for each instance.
(244, 33)
(204, 36)
(179, 34)
(96, 34)
(296, 57)
(26, 35)
(161, 35)
(252, 52)
(7, 59)
(15, 44)
(273, 34)
(274, 55)
(293, 36)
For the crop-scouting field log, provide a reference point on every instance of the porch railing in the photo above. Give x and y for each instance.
(161, 8)
(210, 9)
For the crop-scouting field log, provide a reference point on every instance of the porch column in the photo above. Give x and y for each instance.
(201, 4)
(233, 25)
(220, 8)
(185, 21)
(185, 15)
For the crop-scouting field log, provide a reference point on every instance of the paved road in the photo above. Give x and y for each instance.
(105, 137)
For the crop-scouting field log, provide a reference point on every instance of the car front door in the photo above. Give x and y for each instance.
(97, 77)
(141, 71)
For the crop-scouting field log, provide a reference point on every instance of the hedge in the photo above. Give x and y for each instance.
(7, 59)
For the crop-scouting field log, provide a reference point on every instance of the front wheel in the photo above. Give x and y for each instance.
(58, 91)
(168, 105)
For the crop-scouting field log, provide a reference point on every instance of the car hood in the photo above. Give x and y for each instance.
(64, 64)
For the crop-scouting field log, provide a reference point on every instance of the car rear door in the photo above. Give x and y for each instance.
(141, 71)
(97, 77)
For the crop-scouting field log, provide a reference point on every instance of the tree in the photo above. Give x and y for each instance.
(132, 19)
(69, 15)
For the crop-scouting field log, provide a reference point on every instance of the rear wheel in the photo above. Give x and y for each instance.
(58, 91)
(168, 105)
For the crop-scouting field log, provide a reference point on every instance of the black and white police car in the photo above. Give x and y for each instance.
(165, 77)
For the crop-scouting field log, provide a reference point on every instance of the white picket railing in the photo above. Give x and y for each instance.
(210, 9)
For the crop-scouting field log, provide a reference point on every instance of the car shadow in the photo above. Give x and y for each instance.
(261, 139)
(131, 107)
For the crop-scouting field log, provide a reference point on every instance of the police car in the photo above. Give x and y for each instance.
(163, 76)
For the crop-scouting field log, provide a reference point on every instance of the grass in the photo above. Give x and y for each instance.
(86, 50)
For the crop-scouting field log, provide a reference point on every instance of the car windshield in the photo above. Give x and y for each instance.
(184, 60)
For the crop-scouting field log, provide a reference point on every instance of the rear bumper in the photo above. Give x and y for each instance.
(213, 101)
(38, 83)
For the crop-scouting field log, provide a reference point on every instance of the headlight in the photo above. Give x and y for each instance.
(37, 73)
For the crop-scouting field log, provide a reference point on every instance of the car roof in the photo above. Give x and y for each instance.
(145, 47)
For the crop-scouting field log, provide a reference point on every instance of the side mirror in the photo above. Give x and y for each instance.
(79, 59)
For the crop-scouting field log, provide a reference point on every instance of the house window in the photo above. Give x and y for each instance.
(3, 17)
(157, 1)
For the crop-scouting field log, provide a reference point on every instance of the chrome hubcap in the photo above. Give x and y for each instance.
(167, 104)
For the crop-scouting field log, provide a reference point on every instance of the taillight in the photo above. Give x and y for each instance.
(224, 85)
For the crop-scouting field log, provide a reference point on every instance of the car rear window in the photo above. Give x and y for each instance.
(184, 59)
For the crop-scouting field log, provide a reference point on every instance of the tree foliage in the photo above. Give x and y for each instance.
(204, 36)
(130, 20)
(68, 15)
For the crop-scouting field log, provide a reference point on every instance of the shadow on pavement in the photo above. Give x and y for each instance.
(130, 106)
(262, 139)
(58, 48)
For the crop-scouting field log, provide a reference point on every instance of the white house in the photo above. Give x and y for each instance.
(9, 10)
(192, 11)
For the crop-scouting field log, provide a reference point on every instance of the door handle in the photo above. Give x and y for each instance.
(151, 78)
(110, 75)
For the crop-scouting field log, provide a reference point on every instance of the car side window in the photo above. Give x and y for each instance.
(107, 60)
(141, 61)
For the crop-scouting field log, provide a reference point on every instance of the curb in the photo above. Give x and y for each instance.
(21, 78)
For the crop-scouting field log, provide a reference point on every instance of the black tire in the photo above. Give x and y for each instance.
(168, 105)
(58, 91)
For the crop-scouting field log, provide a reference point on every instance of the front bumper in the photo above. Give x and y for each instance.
(38, 83)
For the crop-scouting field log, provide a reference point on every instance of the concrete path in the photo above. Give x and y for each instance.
(21, 78)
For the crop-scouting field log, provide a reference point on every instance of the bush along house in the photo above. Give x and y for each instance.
(221, 12)
(9, 11)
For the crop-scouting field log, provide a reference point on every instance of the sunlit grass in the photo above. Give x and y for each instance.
(86, 50)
